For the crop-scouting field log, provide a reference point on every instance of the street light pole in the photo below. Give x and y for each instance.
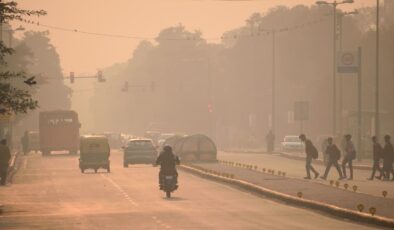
(334, 75)
(377, 118)
(273, 84)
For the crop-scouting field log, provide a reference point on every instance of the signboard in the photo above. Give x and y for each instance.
(347, 62)
(301, 110)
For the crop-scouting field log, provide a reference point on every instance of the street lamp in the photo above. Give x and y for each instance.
(10, 32)
(334, 110)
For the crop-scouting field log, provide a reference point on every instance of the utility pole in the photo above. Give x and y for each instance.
(377, 118)
(334, 54)
(359, 110)
(273, 85)
(1, 24)
(334, 76)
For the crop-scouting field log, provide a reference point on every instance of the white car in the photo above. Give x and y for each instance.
(292, 143)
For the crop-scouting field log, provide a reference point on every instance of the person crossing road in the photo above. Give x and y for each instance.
(311, 153)
(334, 154)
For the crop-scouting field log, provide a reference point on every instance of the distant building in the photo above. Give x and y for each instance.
(389, 11)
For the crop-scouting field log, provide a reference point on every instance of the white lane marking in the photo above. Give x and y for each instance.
(159, 222)
(127, 197)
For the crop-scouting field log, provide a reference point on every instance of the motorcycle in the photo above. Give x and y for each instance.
(169, 184)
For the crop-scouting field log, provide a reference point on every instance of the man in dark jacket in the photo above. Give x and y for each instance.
(310, 151)
(388, 157)
(334, 154)
(377, 155)
(167, 161)
(5, 156)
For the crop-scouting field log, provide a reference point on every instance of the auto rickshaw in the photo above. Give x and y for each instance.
(94, 153)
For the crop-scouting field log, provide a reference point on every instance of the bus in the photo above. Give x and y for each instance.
(59, 131)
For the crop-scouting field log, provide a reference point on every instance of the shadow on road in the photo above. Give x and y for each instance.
(174, 199)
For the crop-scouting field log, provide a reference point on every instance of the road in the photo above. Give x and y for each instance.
(51, 193)
(296, 169)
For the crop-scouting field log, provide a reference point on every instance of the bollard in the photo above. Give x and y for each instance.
(264, 170)
(360, 207)
(337, 183)
(384, 193)
(372, 210)
(299, 194)
(255, 167)
(355, 188)
(273, 172)
(331, 182)
(283, 174)
(346, 186)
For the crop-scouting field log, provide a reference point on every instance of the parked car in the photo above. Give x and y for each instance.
(292, 143)
(139, 151)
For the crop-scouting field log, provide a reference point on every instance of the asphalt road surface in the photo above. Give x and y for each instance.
(51, 193)
(296, 169)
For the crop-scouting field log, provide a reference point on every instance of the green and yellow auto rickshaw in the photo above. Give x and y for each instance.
(94, 153)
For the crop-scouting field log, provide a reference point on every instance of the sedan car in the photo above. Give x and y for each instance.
(292, 143)
(139, 151)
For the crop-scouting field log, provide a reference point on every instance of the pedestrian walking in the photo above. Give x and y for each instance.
(311, 153)
(5, 156)
(270, 140)
(377, 155)
(388, 158)
(334, 154)
(350, 155)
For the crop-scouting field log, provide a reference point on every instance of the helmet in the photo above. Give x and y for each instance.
(167, 148)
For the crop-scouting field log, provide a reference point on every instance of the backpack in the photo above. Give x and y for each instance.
(336, 153)
(314, 152)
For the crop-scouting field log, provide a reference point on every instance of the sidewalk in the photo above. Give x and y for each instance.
(365, 164)
(339, 197)
(11, 170)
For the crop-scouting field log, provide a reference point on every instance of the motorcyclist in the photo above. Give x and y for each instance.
(167, 161)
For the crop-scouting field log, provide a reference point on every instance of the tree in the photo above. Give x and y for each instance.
(14, 99)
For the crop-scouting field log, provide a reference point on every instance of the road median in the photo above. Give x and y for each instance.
(233, 178)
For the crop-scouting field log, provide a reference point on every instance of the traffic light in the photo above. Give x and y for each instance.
(100, 77)
(72, 77)
(125, 87)
(152, 86)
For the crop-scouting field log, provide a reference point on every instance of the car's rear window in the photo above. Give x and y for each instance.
(140, 145)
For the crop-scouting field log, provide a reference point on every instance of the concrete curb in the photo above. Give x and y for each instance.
(327, 208)
(289, 156)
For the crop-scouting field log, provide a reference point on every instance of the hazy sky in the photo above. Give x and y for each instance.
(85, 54)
